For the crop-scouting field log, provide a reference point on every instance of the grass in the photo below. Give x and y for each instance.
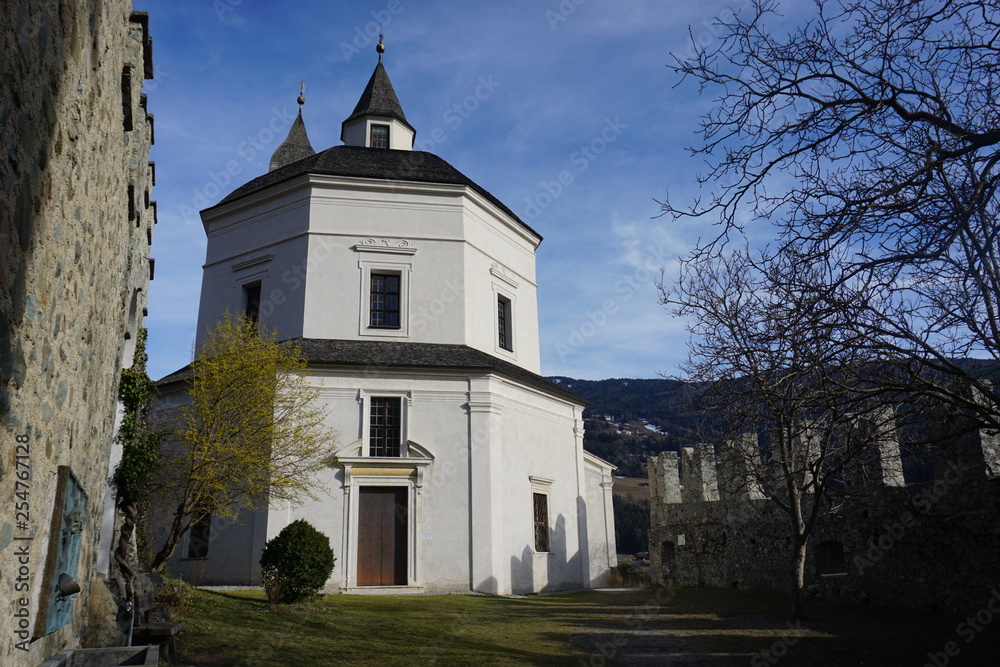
(689, 626)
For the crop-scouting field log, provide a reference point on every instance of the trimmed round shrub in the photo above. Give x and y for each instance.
(296, 563)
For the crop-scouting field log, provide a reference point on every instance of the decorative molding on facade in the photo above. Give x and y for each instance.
(502, 273)
(540, 481)
(483, 404)
(363, 393)
(252, 261)
(394, 246)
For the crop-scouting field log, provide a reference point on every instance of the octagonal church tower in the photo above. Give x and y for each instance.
(411, 290)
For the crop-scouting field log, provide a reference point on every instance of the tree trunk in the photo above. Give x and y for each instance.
(121, 551)
(173, 539)
(798, 577)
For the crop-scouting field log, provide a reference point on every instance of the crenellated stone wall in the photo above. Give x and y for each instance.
(76, 224)
(933, 545)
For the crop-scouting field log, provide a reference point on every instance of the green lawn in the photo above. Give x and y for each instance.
(689, 627)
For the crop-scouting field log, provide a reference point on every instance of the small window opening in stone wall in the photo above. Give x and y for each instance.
(131, 203)
(668, 557)
(127, 97)
(830, 558)
(918, 467)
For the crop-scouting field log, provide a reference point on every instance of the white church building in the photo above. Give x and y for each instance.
(412, 293)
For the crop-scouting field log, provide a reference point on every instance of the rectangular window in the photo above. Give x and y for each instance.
(384, 312)
(503, 323)
(541, 502)
(385, 426)
(380, 136)
(199, 536)
(127, 98)
(251, 302)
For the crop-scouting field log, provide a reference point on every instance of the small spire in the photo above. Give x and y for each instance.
(296, 145)
(380, 47)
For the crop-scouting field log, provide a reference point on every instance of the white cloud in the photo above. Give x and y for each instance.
(558, 89)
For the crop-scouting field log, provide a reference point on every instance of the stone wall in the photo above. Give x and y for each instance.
(933, 545)
(75, 227)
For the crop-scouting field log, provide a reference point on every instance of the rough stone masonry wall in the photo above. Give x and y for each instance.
(75, 228)
(933, 545)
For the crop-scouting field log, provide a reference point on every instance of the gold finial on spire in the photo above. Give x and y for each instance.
(380, 47)
(302, 93)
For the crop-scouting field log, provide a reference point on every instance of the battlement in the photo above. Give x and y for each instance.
(701, 474)
(916, 526)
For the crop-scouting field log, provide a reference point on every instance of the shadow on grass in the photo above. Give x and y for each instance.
(690, 626)
(239, 596)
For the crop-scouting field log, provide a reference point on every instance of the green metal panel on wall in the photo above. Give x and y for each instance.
(59, 583)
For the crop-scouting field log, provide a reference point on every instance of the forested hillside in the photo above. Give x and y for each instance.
(629, 420)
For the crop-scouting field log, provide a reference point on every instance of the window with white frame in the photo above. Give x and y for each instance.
(251, 301)
(250, 280)
(379, 136)
(385, 294)
(384, 423)
(540, 505)
(505, 338)
(541, 488)
(504, 304)
(385, 426)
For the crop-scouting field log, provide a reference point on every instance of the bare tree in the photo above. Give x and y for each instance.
(872, 129)
(788, 395)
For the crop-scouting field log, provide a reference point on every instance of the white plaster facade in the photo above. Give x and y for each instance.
(481, 432)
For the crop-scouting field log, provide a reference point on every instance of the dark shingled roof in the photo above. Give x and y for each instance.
(379, 99)
(378, 163)
(375, 355)
(295, 147)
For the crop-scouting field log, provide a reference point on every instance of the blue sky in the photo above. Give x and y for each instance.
(512, 93)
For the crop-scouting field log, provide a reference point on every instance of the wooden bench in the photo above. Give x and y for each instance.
(162, 633)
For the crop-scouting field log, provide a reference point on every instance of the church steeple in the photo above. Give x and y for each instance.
(296, 145)
(378, 120)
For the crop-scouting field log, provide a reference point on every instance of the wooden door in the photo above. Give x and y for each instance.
(382, 529)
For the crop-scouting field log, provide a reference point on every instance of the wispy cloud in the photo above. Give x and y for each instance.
(559, 89)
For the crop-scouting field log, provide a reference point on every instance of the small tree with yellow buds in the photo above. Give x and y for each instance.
(252, 434)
